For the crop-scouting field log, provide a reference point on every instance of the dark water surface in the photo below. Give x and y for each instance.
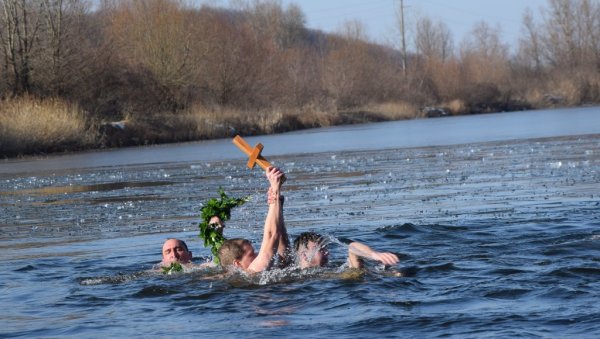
(496, 218)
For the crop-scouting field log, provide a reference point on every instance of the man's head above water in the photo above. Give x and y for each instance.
(237, 252)
(175, 251)
(311, 250)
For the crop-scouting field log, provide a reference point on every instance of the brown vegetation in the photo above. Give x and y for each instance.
(133, 72)
(29, 125)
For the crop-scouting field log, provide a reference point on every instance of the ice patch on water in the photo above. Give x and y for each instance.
(117, 279)
(555, 165)
(92, 281)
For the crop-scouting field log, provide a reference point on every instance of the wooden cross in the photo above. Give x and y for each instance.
(253, 154)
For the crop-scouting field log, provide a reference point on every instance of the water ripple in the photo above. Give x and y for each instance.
(495, 240)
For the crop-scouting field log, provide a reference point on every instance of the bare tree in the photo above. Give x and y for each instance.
(344, 63)
(62, 44)
(292, 30)
(302, 66)
(530, 48)
(484, 55)
(572, 30)
(433, 41)
(20, 21)
(152, 34)
(234, 69)
(54, 13)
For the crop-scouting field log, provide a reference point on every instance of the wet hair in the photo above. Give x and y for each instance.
(231, 250)
(306, 237)
(181, 242)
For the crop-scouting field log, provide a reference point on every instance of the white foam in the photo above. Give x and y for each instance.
(555, 165)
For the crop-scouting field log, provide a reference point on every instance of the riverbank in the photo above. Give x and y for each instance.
(31, 126)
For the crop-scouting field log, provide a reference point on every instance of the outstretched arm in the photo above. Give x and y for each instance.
(283, 250)
(272, 229)
(357, 250)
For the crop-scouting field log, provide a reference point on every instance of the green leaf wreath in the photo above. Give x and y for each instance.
(210, 233)
(174, 267)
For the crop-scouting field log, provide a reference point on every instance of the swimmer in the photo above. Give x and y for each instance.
(218, 223)
(239, 253)
(357, 251)
(311, 251)
(175, 251)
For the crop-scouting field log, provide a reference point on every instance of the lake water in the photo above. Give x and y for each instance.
(496, 219)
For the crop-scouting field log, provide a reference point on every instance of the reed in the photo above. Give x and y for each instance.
(31, 125)
(456, 107)
(207, 122)
(394, 110)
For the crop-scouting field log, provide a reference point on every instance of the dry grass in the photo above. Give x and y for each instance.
(215, 122)
(195, 123)
(200, 122)
(394, 110)
(567, 89)
(456, 107)
(220, 122)
(30, 125)
(535, 97)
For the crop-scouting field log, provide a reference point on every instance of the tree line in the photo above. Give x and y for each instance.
(174, 71)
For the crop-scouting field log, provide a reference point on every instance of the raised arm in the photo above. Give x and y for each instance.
(273, 222)
(357, 250)
(283, 250)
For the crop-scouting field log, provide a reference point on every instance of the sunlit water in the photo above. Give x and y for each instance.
(496, 219)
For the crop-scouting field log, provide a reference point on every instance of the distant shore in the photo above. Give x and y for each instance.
(47, 127)
(126, 73)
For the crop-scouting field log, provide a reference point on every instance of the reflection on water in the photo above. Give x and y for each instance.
(497, 238)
